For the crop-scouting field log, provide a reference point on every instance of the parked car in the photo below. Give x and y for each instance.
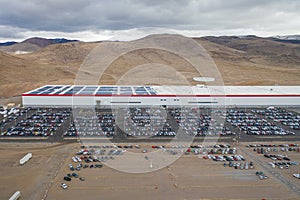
(296, 175)
(64, 186)
(66, 178)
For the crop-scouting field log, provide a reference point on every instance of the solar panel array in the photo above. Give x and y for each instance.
(93, 90)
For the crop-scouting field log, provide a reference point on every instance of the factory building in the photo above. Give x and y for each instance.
(200, 95)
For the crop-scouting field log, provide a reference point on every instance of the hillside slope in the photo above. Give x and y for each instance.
(241, 61)
(31, 45)
(68, 54)
(278, 53)
(18, 75)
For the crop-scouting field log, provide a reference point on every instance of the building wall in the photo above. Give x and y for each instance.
(69, 101)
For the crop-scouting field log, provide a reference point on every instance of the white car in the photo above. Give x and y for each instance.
(144, 151)
(296, 175)
(74, 159)
(64, 186)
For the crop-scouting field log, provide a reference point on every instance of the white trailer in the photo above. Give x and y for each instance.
(15, 196)
(25, 158)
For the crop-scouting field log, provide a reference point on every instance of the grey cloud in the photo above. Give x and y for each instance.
(10, 32)
(81, 15)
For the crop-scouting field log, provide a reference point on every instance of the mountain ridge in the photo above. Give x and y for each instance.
(247, 60)
(31, 44)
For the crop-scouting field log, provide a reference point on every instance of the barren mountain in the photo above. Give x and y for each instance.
(31, 45)
(18, 75)
(271, 51)
(254, 61)
(68, 54)
(237, 65)
(240, 60)
(295, 39)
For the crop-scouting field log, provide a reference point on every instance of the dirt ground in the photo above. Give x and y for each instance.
(35, 177)
(190, 177)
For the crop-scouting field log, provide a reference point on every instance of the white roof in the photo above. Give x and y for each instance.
(228, 90)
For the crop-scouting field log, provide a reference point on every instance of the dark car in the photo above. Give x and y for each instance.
(66, 178)
(98, 165)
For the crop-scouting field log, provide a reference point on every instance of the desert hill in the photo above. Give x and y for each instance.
(18, 75)
(68, 54)
(272, 51)
(254, 61)
(246, 60)
(31, 45)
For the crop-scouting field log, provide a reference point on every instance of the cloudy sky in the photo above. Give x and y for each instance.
(91, 20)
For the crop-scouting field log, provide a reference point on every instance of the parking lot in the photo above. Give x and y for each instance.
(189, 177)
(199, 173)
(247, 124)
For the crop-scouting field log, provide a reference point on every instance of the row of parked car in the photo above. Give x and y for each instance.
(146, 122)
(235, 161)
(283, 165)
(90, 123)
(286, 118)
(197, 122)
(224, 158)
(273, 145)
(5, 112)
(277, 157)
(265, 148)
(252, 125)
(44, 122)
(8, 116)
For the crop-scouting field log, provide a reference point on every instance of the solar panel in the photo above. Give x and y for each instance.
(126, 90)
(150, 89)
(108, 87)
(40, 90)
(107, 90)
(34, 92)
(100, 90)
(88, 90)
(61, 90)
(52, 89)
(74, 90)
(141, 90)
(44, 88)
